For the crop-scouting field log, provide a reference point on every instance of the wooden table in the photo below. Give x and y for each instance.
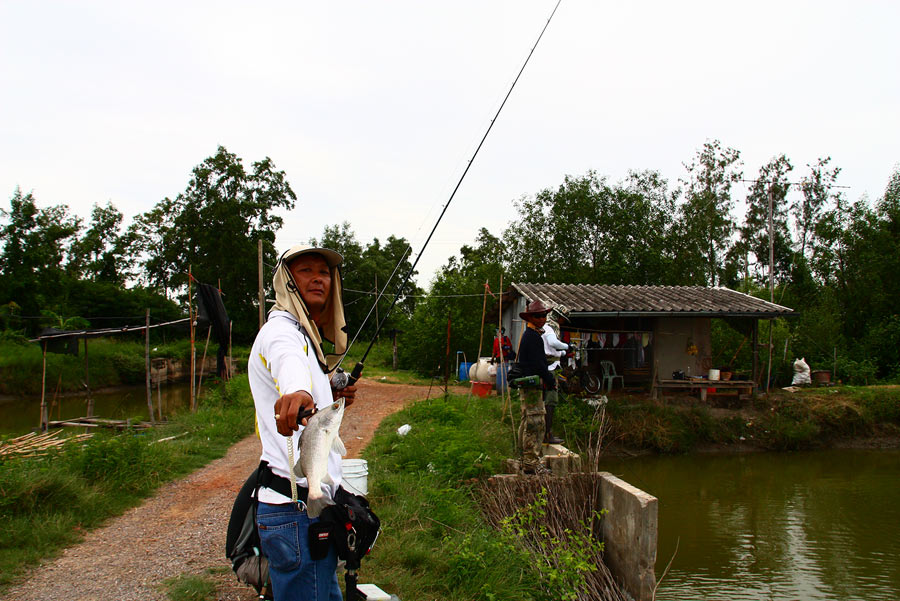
(702, 384)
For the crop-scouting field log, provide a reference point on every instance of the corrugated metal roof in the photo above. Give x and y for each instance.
(590, 299)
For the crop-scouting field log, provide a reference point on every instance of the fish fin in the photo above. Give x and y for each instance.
(298, 469)
(338, 446)
(315, 505)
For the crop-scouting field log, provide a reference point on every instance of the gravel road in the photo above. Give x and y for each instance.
(181, 529)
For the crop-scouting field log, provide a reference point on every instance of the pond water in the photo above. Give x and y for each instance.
(775, 526)
(20, 415)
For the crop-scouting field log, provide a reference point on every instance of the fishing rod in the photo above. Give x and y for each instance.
(357, 369)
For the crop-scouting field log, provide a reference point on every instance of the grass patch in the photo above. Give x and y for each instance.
(379, 363)
(190, 588)
(113, 362)
(48, 502)
(810, 418)
(435, 542)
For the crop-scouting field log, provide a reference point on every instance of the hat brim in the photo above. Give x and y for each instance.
(526, 315)
(331, 257)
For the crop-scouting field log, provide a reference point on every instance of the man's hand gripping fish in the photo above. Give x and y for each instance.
(319, 437)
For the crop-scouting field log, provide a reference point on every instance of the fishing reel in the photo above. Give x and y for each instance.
(342, 379)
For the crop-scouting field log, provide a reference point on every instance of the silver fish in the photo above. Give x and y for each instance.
(318, 439)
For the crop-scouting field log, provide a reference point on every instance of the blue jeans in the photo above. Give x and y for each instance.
(284, 533)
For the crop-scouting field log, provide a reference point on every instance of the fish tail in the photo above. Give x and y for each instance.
(315, 504)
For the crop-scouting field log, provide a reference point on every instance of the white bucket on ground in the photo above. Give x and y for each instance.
(714, 374)
(356, 476)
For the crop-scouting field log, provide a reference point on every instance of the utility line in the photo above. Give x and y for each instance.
(122, 330)
(357, 370)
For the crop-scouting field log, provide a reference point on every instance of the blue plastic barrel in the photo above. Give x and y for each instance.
(501, 377)
(464, 371)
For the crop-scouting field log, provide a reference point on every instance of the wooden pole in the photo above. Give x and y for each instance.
(45, 419)
(503, 391)
(771, 285)
(376, 299)
(230, 357)
(193, 350)
(395, 356)
(203, 362)
(262, 296)
(147, 365)
(755, 368)
(87, 381)
(159, 397)
(447, 357)
(483, 308)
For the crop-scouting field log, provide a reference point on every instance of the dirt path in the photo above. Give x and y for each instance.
(181, 529)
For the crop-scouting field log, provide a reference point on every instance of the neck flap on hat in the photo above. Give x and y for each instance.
(330, 326)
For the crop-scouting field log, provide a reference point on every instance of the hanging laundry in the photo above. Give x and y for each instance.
(645, 338)
(602, 338)
(615, 339)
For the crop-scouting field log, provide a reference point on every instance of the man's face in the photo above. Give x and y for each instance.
(313, 279)
(539, 320)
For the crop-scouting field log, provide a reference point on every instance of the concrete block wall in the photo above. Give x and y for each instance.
(629, 533)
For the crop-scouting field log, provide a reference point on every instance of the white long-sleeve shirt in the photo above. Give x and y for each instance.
(283, 361)
(553, 347)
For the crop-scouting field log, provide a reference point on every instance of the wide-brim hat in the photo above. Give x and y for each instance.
(534, 309)
(331, 257)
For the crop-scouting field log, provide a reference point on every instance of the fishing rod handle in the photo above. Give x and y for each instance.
(356, 373)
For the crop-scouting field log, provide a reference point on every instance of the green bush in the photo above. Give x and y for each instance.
(435, 544)
(46, 502)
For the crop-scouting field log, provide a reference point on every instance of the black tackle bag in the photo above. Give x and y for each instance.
(355, 527)
(242, 544)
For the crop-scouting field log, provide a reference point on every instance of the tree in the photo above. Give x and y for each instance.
(456, 291)
(362, 268)
(588, 231)
(213, 228)
(755, 230)
(705, 219)
(34, 250)
(101, 253)
(817, 188)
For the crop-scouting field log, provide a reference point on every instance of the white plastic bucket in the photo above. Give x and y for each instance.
(356, 476)
(714, 374)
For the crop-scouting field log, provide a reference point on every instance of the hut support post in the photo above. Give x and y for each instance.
(755, 367)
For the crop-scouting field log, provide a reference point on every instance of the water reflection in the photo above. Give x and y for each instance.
(818, 525)
(21, 415)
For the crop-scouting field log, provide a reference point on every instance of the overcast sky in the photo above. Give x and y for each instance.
(373, 108)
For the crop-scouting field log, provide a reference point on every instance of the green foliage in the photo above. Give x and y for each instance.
(189, 587)
(435, 543)
(586, 230)
(571, 557)
(214, 227)
(367, 271)
(456, 293)
(705, 220)
(47, 502)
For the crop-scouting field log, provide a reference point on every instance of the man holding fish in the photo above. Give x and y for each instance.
(289, 374)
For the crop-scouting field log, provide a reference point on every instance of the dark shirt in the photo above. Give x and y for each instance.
(532, 358)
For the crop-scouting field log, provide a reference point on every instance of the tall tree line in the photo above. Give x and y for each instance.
(833, 260)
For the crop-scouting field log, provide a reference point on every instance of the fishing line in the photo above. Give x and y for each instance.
(357, 370)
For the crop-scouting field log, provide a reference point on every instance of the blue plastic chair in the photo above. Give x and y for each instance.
(609, 375)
